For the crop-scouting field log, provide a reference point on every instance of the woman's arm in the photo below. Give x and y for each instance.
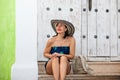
(72, 48)
(47, 49)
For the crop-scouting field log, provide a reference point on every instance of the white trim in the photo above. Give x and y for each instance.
(25, 67)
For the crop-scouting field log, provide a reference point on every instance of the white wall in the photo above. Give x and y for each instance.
(25, 67)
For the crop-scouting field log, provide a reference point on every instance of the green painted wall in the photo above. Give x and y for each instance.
(7, 38)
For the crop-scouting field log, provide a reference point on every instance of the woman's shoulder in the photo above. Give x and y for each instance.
(71, 38)
(51, 40)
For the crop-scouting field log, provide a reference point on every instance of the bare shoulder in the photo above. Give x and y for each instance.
(50, 41)
(71, 39)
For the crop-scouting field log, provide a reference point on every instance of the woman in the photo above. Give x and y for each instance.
(60, 49)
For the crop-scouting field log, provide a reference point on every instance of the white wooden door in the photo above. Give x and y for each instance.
(96, 23)
(103, 31)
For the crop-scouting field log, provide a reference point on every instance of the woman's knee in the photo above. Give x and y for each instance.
(63, 58)
(55, 59)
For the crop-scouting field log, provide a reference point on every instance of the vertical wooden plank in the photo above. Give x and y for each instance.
(92, 20)
(84, 27)
(118, 27)
(113, 28)
(74, 16)
(103, 23)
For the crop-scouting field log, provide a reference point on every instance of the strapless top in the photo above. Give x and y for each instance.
(60, 49)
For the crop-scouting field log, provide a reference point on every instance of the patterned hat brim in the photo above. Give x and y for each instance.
(69, 26)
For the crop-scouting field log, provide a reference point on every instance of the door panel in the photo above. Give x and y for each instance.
(102, 28)
(118, 27)
(84, 26)
(92, 29)
(113, 28)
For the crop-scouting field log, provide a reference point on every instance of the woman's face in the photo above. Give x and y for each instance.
(60, 28)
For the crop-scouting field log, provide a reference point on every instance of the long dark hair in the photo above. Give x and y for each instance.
(66, 33)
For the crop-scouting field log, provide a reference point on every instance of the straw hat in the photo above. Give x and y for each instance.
(69, 26)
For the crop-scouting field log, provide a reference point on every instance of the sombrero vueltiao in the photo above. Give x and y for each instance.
(69, 26)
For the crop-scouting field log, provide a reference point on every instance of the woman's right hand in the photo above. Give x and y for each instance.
(55, 54)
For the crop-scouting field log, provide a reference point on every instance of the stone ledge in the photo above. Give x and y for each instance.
(82, 77)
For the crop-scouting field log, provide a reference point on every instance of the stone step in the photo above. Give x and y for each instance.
(98, 67)
(105, 67)
(41, 68)
(81, 77)
(101, 71)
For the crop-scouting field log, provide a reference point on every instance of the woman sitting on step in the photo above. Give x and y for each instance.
(60, 49)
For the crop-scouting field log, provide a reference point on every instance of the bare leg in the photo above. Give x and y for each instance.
(64, 67)
(55, 68)
(49, 67)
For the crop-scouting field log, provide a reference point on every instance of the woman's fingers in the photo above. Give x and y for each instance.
(57, 54)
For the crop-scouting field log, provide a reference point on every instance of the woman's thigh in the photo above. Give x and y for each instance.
(68, 67)
(49, 67)
(65, 60)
